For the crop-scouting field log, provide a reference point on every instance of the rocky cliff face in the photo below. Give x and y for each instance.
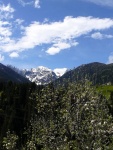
(40, 75)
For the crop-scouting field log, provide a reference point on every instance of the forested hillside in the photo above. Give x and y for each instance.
(75, 117)
(97, 73)
(15, 107)
(7, 74)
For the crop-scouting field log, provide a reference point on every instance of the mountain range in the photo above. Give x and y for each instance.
(7, 74)
(40, 75)
(97, 73)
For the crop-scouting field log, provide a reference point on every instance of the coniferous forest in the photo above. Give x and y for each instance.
(75, 116)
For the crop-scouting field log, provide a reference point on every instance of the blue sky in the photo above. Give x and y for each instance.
(55, 33)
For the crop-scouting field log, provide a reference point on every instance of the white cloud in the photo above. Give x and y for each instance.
(60, 35)
(5, 29)
(25, 2)
(56, 48)
(7, 8)
(98, 35)
(52, 33)
(36, 4)
(110, 59)
(19, 21)
(30, 2)
(14, 55)
(102, 2)
(46, 20)
(108, 36)
(1, 57)
(6, 12)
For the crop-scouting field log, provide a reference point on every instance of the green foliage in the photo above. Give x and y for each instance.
(15, 108)
(70, 117)
(9, 142)
(76, 118)
(105, 90)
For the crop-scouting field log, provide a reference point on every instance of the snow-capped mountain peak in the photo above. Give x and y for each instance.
(60, 71)
(41, 75)
(41, 69)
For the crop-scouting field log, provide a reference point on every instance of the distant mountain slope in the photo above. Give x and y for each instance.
(7, 74)
(96, 72)
(43, 75)
(40, 75)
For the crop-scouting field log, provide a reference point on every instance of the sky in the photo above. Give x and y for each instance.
(55, 33)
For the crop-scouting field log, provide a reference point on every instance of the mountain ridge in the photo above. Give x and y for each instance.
(40, 75)
(96, 72)
(7, 74)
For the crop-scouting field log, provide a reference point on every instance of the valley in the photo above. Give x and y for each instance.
(75, 111)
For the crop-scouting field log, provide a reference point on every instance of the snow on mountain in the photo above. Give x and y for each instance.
(41, 75)
(60, 71)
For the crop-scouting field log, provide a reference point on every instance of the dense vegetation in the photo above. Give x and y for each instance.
(15, 107)
(7, 74)
(97, 73)
(106, 90)
(71, 117)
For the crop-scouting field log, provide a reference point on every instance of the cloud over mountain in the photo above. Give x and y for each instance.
(110, 59)
(108, 3)
(1, 58)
